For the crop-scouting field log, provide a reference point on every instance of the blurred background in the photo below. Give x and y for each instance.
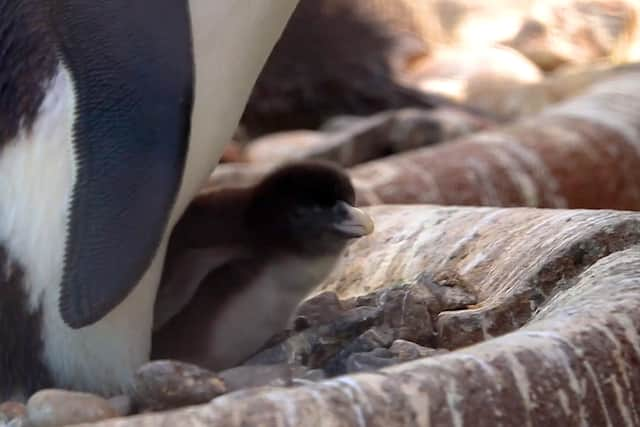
(454, 101)
(341, 57)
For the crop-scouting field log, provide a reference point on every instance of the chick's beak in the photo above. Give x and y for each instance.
(352, 222)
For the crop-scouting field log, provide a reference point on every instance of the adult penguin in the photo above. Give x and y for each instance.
(112, 115)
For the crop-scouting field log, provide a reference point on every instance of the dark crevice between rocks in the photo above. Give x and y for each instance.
(369, 332)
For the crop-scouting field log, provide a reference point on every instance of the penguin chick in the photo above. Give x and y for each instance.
(241, 278)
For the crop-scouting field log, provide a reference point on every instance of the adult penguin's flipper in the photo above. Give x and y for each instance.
(132, 71)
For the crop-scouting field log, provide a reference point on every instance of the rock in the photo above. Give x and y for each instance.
(166, 384)
(339, 123)
(370, 341)
(558, 295)
(407, 312)
(352, 322)
(123, 405)
(11, 410)
(564, 84)
(233, 153)
(530, 163)
(484, 78)
(56, 408)
(557, 33)
(405, 351)
(236, 175)
(403, 312)
(321, 309)
(578, 154)
(369, 361)
(368, 138)
(279, 147)
(312, 375)
(567, 241)
(314, 346)
(450, 289)
(242, 377)
(356, 325)
(349, 336)
(18, 422)
(470, 23)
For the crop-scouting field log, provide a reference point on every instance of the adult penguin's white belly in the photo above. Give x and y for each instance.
(101, 150)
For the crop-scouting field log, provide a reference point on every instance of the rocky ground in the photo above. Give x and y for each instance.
(501, 285)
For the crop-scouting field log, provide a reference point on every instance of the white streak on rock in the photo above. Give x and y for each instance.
(483, 173)
(631, 419)
(520, 176)
(347, 388)
(522, 382)
(540, 171)
(453, 401)
(586, 364)
(471, 234)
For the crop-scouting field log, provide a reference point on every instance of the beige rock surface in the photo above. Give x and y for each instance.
(481, 77)
(363, 139)
(504, 83)
(560, 32)
(57, 408)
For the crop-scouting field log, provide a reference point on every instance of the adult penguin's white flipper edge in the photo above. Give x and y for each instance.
(130, 139)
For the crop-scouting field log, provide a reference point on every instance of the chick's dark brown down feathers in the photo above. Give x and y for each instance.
(241, 260)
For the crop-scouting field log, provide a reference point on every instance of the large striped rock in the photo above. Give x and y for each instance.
(584, 153)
